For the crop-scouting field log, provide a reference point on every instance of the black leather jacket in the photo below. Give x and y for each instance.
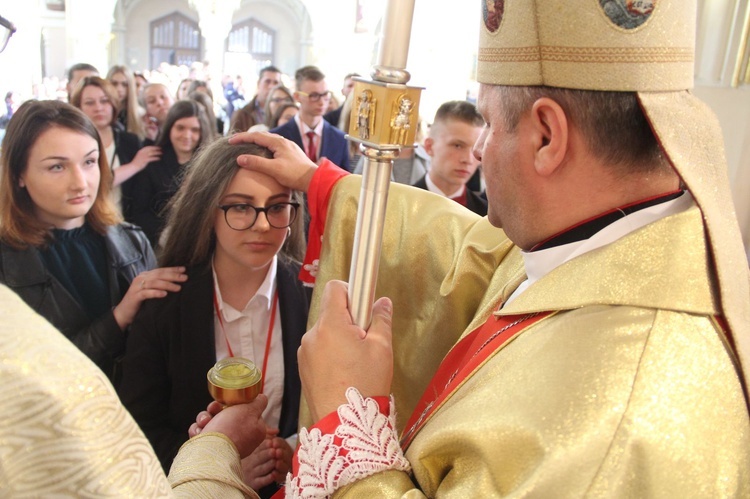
(128, 254)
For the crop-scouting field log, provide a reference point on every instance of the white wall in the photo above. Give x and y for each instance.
(21, 61)
(442, 49)
(443, 54)
(718, 40)
(732, 107)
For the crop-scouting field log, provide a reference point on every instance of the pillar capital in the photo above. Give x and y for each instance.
(215, 22)
(215, 16)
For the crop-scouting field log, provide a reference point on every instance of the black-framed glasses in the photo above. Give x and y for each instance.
(8, 29)
(315, 96)
(242, 216)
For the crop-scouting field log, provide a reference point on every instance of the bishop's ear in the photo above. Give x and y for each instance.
(550, 125)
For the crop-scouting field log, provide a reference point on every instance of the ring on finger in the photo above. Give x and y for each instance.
(143, 284)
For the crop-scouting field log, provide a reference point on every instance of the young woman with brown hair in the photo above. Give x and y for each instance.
(62, 246)
(240, 236)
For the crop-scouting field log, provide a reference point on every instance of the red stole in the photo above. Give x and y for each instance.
(469, 355)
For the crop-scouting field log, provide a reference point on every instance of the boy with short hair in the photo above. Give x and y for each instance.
(308, 129)
(455, 129)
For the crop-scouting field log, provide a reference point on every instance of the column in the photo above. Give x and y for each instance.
(88, 24)
(215, 21)
(21, 61)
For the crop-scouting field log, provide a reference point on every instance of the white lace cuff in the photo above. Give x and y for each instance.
(364, 443)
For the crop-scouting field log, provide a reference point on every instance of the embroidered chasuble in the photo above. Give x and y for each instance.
(462, 361)
(64, 432)
(626, 389)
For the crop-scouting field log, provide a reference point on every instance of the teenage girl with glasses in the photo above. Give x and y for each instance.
(240, 235)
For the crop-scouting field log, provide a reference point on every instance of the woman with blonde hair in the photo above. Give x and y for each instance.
(131, 113)
(157, 101)
(97, 98)
(63, 249)
(240, 235)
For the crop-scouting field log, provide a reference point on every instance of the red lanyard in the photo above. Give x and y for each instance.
(268, 336)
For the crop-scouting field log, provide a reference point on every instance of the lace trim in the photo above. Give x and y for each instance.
(312, 268)
(364, 443)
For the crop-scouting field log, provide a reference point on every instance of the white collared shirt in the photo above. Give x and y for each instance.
(247, 331)
(433, 188)
(542, 262)
(303, 129)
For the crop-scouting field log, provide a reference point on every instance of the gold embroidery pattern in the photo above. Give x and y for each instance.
(587, 54)
(64, 431)
(511, 54)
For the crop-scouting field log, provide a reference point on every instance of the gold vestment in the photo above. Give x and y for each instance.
(631, 390)
(64, 432)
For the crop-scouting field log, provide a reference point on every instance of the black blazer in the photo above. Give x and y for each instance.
(127, 144)
(334, 116)
(128, 254)
(475, 201)
(335, 147)
(149, 192)
(171, 347)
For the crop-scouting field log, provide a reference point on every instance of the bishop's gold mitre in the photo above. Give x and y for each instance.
(643, 46)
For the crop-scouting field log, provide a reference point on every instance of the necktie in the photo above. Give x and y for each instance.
(312, 153)
(461, 198)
